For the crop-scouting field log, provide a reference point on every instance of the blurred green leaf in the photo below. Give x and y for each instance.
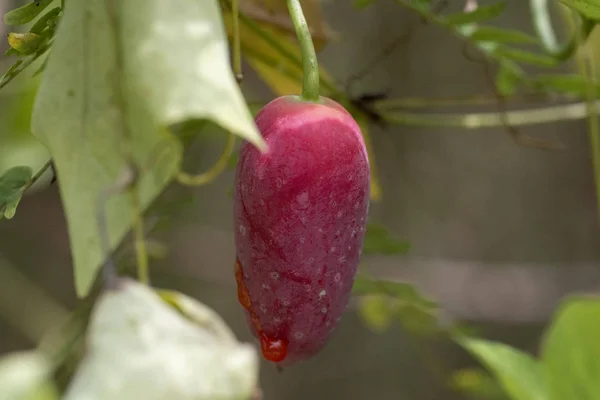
(362, 4)
(477, 384)
(588, 8)
(26, 43)
(508, 78)
(47, 20)
(11, 189)
(376, 312)
(27, 13)
(378, 240)
(165, 84)
(481, 13)
(566, 83)
(525, 57)
(520, 374)
(499, 35)
(141, 348)
(416, 313)
(26, 376)
(571, 351)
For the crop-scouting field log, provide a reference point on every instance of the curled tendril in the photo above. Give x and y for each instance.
(210, 175)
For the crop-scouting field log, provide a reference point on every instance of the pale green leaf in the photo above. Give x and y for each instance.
(376, 312)
(478, 384)
(508, 77)
(572, 84)
(26, 13)
(571, 351)
(526, 57)
(25, 376)
(588, 8)
(417, 313)
(174, 67)
(140, 348)
(499, 35)
(378, 240)
(12, 183)
(481, 13)
(520, 374)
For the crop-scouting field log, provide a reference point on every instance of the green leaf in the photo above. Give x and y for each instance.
(378, 240)
(499, 35)
(565, 83)
(520, 374)
(26, 43)
(26, 376)
(416, 313)
(27, 13)
(376, 312)
(588, 8)
(526, 57)
(508, 77)
(48, 19)
(174, 67)
(11, 189)
(362, 4)
(481, 13)
(571, 351)
(478, 384)
(141, 348)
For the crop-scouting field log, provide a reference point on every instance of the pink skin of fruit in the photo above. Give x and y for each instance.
(300, 214)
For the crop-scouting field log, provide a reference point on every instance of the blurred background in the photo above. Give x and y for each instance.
(498, 232)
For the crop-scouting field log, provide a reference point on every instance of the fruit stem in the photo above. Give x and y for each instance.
(310, 66)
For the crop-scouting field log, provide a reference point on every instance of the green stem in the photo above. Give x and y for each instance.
(237, 52)
(310, 86)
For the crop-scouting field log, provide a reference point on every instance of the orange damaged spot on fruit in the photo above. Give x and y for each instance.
(243, 296)
(273, 350)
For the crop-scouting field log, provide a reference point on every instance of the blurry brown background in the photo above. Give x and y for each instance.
(498, 232)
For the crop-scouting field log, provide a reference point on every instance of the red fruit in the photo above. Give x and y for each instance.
(300, 213)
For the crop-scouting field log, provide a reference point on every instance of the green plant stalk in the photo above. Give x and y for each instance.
(310, 65)
(237, 51)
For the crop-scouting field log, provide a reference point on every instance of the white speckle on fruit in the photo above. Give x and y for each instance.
(262, 202)
(265, 286)
(263, 308)
(278, 183)
(298, 335)
(311, 260)
(242, 230)
(339, 214)
(361, 229)
(362, 218)
(350, 196)
(275, 275)
(322, 294)
(353, 233)
(302, 199)
(302, 239)
(337, 277)
(276, 320)
(342, 259)
(349, 247)
(320, 230)
(338, 232)
(350, 177)
(332, 250)
(243, 187)
(286, 303)
(327, 323)
(324, 310)
(307, 287)
(356, 205)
